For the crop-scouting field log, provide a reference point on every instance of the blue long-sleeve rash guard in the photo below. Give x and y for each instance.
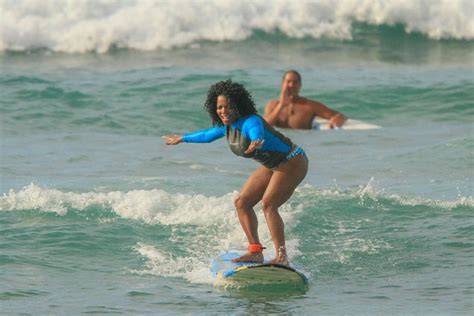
(241, 133)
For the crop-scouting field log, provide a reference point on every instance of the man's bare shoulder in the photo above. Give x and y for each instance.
(319, 108)
(311, 102)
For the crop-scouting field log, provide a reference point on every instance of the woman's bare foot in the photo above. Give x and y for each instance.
(256, 257)
(281, 259)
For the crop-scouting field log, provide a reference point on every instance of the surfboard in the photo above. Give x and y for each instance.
(247, 274)
(350, 124)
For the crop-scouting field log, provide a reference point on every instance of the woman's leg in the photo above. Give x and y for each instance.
(281, 186)
(250, 194)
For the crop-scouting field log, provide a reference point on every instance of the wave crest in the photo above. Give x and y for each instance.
(370, 193)
(150, 206)
(158, 206)
(84, 26)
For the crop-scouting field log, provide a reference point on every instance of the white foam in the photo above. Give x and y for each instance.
(209, 224)
(169, 265)
(206, 225)
(372, 191)
(150, 206)
(158, 206)
(77, 26)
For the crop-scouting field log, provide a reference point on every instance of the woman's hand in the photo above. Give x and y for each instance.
(254, 145)
(173, 139)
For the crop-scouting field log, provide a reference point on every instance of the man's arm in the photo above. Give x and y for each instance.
(336, 119)
(272, 110)
(274, 107)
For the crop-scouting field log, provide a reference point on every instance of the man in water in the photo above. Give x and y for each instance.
(294, 111)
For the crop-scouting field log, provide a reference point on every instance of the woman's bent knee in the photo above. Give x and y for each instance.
(268, 206)
(241, 203)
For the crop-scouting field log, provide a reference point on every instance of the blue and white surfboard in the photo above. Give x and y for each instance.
(351, 124)
(243, 274)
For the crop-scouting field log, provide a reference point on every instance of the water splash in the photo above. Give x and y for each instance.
(99, 26)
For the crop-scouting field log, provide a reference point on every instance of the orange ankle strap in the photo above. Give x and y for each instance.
(255, 248)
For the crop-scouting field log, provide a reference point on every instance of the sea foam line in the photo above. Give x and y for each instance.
(78, 26)
(371, 191)
(215, 225)
(150, 206)
(159, 206)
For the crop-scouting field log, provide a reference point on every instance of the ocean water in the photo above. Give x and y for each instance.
(98, 216)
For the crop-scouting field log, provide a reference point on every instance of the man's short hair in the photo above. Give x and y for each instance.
(294, 72)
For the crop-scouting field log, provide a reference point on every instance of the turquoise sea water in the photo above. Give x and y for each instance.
(98, 216)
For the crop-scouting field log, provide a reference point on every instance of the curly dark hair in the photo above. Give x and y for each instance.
(239, 99)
